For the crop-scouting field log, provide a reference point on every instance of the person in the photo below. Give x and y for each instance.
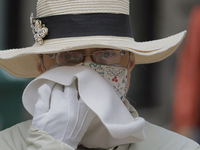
(82, 59)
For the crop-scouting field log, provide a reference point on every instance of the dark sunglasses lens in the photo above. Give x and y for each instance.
(69, 58)
(106, 57)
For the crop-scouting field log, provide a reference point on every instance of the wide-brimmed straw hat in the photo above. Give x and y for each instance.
(66, 25)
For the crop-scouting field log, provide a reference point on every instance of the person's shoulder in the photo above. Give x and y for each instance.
(158, 138)
(14, 137)
(18, 128)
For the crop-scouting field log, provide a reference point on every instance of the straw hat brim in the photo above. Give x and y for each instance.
(23, 62)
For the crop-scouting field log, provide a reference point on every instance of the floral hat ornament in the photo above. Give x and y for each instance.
(68, 25)
(39, 30)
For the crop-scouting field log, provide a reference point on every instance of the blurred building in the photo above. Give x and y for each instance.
(152, 84)
(171, 17)
(14, 33)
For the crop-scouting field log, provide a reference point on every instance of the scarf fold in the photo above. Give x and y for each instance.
(114, 125)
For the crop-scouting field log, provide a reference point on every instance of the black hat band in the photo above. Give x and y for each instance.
(96, 24)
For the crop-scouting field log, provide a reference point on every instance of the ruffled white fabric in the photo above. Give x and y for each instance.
(114, 125)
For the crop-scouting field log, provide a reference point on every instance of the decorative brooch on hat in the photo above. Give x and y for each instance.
(39, 30)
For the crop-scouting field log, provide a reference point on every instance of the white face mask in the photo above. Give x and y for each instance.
(115, 75)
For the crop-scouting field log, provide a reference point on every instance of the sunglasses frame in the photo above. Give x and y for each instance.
(53, 56)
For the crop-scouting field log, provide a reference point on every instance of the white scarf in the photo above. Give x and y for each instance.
(114, 125)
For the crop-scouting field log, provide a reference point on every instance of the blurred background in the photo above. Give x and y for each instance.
(152, 86)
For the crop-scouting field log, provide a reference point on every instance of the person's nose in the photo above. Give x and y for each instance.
(88, 58)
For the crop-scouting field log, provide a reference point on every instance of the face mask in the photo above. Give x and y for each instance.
(115, 75)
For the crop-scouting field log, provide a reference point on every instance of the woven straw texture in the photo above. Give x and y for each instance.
(59, 7)
(22, 62)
